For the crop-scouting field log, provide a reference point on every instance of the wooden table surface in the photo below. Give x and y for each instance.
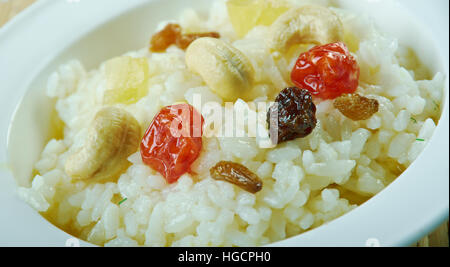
(9, 8)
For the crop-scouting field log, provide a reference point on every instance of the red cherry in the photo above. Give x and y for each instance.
(327, 71)
(173, 141)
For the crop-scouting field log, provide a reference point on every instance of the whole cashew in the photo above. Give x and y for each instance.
(114, 135)
(224, 68)
(306, 25)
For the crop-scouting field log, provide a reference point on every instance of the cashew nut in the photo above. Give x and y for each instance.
(225, 69)
(113, 137)
(306, 25)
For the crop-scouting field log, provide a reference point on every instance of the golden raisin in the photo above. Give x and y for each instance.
(165, 38)
(186, 39)
(356, 107)
(237, 174)
(171, 34)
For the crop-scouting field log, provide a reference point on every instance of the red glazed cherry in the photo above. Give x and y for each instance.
(327, 71)
(173, 141)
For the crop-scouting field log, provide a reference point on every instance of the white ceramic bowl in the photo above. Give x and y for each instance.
(50, 32)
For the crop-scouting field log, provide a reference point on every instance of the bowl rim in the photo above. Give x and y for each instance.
(363, 215)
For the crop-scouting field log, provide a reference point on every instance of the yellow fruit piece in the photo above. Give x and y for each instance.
(126, 80)
(273, 9)
(246, 14)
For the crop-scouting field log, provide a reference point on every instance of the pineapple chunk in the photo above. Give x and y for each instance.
(246, 14)
(126, 80)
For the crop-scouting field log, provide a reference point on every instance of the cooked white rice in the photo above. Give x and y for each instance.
(307, 182)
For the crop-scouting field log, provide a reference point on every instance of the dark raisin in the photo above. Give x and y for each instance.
(356, 107)
(293, 115)
(237, 174)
